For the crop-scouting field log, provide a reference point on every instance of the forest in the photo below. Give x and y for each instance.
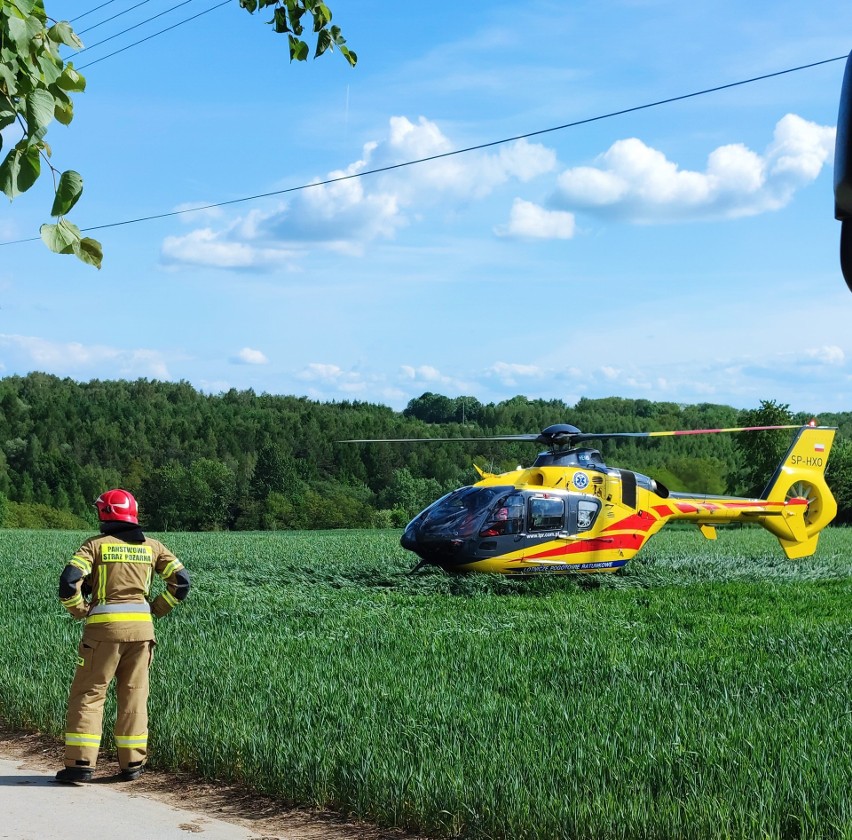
(245, 461)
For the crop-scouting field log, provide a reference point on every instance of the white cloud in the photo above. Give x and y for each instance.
(346, 215)
(429, 378)
(827, 355)
(332, 375)
(423, 373)
(635, 182)
(205, 247)
(510, 374)
(529, 221)
(830, 355)
(74, 357)
(249, 356)
(318, 371)
(473, 175)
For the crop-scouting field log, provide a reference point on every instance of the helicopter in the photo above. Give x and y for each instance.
(570, 512)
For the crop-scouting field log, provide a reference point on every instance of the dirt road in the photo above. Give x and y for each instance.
(159, 805)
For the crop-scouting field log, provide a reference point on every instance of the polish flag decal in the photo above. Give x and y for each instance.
(819, 447)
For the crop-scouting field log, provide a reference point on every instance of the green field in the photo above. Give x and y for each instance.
(706, 692)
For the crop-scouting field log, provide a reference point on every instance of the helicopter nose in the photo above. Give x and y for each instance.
(438, 551)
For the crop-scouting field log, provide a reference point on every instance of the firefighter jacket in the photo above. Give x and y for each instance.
(116, 568)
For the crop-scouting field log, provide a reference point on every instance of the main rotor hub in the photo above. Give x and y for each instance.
(558, 436)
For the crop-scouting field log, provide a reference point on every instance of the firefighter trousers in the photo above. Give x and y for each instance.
(98, 662)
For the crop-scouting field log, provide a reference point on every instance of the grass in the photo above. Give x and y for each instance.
(703, 693)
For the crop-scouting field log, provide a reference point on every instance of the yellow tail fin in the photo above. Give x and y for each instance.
(801, 475)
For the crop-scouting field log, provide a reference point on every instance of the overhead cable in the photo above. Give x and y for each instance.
(131, 28)
(155, 34)
(116, 15)
(108, 2)
(441, 155)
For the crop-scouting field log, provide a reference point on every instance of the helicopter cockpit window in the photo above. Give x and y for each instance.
(461, 513)
(586, 514)
(507, 517)
(546, 514)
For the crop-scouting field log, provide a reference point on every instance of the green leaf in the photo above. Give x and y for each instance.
(39, 110)
(19, 170)
(280, 21)
(63, 108)
(298, 49)
(90, 252)
(22, 32)
(67, 193)
(6, 118)
(349, 55)
(323, 42)
(8, 79)
(294, 13)
(51, 67)
(25, 6)
(249, 5)
(71, 80)
(61, 238)
(322, 16)
(62, 33)
(64, 238)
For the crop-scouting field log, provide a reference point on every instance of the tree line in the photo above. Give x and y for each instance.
(246, 461)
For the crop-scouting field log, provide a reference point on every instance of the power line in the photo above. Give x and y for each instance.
(108, 2)
(116, 15)
(154, 35)
(131, 28)
(453, 153)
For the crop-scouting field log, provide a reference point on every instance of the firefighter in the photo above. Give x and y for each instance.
(107, 583)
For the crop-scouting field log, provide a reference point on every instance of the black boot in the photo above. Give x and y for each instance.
(69, 775)
(131, 774)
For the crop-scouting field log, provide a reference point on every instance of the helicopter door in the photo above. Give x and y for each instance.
(546, 513)
(582, 513)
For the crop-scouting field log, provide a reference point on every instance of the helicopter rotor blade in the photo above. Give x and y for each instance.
(614, 435)
(444, 439)
(561, 435)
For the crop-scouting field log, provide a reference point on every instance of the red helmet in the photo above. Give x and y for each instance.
(117, 506)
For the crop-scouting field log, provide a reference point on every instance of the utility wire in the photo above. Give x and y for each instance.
(453, 153)
(154, 35)
(131, 28)
(108, 2)
(116, 15)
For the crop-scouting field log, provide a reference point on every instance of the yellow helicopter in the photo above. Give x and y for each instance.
(570, 512)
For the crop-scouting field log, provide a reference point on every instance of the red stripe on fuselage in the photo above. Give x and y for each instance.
(721, 505)
(635, 522)
(628, 541)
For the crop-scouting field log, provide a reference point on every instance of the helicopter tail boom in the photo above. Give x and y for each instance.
(800, 477)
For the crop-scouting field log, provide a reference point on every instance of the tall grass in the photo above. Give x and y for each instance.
(704, 693)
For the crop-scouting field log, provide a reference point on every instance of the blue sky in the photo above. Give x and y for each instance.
(686, 252)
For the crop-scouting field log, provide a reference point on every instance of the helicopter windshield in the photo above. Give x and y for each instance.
(461, 513)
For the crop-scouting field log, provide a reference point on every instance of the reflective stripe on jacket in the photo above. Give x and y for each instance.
(101, 613)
